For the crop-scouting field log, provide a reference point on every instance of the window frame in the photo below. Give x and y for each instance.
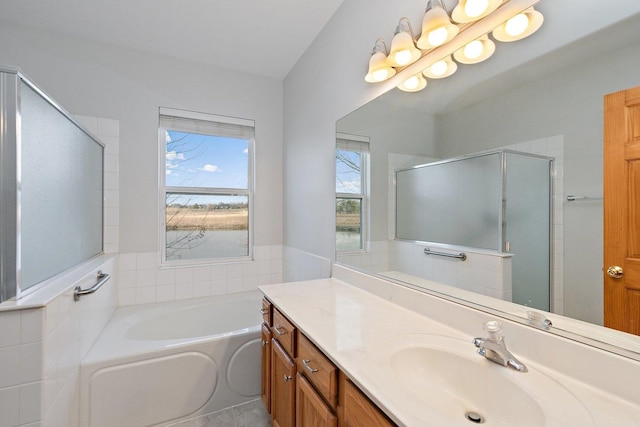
(357, 144)
(204, 191)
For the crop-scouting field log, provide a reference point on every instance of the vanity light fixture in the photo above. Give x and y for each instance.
(437, 28)
(520, 26)
(413, 84)
(379, 70)
(441, 69)
(443, 41)
(403, 49)
(472, 10)
(476, 51)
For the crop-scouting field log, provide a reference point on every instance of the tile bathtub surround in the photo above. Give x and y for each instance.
(42, 344)
(143, 281)
(21, 366)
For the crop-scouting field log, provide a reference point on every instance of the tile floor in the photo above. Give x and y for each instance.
(251, 414)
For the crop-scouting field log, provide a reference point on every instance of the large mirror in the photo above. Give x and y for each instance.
(550, 107)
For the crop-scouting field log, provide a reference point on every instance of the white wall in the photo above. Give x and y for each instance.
(127, 85)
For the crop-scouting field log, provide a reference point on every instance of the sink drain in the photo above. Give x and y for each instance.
(474, 417)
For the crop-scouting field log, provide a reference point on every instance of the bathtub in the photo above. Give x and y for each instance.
(156, 364)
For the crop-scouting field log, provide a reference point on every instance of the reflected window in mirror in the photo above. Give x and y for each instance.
(352, 201)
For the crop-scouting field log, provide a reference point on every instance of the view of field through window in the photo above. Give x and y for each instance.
(207, 205)
(348, 200)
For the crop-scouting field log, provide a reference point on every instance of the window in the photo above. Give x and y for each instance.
(352, 158)
(206, 185)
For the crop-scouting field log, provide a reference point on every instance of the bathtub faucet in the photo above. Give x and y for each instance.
(494, 348)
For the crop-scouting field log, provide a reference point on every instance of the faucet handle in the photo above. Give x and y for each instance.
(494, 328)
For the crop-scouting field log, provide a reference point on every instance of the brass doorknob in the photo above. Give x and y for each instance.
(615, 271)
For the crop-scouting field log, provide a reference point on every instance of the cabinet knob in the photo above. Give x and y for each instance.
(264, 311)
(287, 378)
(280, 331)
(265, 343)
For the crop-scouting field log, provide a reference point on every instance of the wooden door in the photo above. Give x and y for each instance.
(311, 411)
(266, 367)
(283, 387)
(622, 210)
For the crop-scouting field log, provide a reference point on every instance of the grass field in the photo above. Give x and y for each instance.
(347, 222)
(203, 219)
(233, 219)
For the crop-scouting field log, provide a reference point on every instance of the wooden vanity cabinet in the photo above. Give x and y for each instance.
(311, 410)
(266, 310)
(305, 388)
(266, 367)
(284, 332)
(283, 387)
(356, 410)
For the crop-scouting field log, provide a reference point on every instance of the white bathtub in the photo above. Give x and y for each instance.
(155, 364)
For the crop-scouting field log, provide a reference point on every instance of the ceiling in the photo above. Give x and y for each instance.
(255, 36)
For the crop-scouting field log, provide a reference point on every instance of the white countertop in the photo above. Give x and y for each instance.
(352, 326)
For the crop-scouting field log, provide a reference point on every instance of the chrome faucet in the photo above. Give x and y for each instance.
(494, 348)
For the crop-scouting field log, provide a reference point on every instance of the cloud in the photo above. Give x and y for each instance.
(211, 168)
(167, 137)
(245, 151)
(172, 155)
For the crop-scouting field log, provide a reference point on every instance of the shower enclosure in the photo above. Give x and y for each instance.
(51, 182)
(496, 201)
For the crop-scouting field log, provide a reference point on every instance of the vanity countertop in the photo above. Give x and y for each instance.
(353, 327)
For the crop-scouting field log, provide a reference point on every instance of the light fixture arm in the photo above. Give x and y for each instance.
(442, 3)
(408, 29)
(380, 46)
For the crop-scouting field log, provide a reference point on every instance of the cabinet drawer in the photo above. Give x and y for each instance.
(320, 371)
(284, 332)
(266, 312)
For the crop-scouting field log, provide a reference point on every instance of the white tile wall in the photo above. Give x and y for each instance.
(108, 132)
(41, 348)
(301, 265)
(71, 328)
(484, 273)
(375, 259)
(143, 281)
(21, 372)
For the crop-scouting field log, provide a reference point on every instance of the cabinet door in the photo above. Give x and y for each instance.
(266, 367)
(283, 387)
(358, 410)
(311, 411)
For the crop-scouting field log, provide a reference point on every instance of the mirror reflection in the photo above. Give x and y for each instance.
(549, 108)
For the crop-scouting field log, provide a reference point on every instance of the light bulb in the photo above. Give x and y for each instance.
(403, 57)
(517, 25)
(474, 8)
(437, 36)
(380, 75)
(473, 50)
(439, 68)
(412, 83)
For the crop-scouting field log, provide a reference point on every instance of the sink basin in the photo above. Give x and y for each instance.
(446, 383)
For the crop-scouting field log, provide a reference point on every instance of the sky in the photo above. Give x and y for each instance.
(194, 160)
